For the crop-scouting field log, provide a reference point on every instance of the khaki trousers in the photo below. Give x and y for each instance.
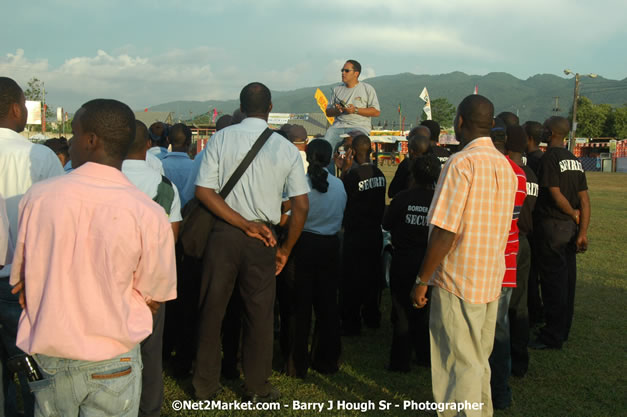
(462, 335)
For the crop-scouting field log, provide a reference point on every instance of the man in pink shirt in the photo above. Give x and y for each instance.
(94, 256)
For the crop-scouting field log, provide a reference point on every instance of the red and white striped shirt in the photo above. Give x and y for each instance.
(511, 250)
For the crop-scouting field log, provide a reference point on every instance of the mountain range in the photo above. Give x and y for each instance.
(531, 99)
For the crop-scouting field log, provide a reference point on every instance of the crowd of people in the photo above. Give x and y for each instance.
(101, 287)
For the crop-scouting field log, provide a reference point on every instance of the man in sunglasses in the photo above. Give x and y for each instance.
(353, 104)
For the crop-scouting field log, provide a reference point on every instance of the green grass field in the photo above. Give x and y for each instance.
(586, 378)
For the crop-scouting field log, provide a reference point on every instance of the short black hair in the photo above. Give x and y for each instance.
(516, 139)
(180, 135)
(434, 127)
(356, 65)
(255, 99)
(223, 121)
(534, 130)
(426, 169)
(58, 146)
(113, 122)
(10, 93)
(361, 143)
(509, 118)
(158, 133)
(141, 138)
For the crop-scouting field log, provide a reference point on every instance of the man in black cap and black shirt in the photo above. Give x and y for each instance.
(518, 314)
(442, 153)
(417, 144)
(363, 240)
(534, 132)
(563, 209)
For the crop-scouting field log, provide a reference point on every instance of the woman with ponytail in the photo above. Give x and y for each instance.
(317, 257)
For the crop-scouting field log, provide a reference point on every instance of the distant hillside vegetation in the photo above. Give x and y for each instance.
(532, 99)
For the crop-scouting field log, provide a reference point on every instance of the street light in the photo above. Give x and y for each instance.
(574, 129)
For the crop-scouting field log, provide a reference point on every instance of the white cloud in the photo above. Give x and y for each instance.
(138, 81)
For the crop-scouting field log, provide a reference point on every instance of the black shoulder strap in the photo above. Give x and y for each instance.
(245, 162)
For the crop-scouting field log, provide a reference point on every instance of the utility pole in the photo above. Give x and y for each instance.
(576, 96)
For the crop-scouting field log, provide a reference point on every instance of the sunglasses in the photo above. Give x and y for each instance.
(346, 70)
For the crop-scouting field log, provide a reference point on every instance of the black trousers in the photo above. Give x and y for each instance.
(181, 319)
(233, 256)
(558, 273)
(152, 373)
(534, 298)
(362, 280)
(410, 326)
(313, 284)
(518, 311)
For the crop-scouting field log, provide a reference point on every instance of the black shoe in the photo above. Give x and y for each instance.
(272, 395)
(400, 369)
(538, 344)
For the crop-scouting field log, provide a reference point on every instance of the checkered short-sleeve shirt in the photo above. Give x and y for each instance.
(474, 199)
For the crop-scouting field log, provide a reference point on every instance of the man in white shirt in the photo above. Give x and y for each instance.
(22, 163)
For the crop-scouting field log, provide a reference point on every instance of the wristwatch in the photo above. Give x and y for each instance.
(356, 110)
(420, 282)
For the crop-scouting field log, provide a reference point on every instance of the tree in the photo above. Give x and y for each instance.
(592, 118)
(616, 124)
(35, 92)
(442, 111)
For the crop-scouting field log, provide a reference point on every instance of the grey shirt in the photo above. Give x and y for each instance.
(360, 96)
(277, 167)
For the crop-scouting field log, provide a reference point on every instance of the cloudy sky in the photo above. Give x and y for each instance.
(150, 52)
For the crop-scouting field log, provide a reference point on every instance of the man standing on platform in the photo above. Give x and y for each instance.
(353, 104)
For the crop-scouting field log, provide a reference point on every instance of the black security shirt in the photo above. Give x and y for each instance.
(442, 153)
(559, 168)
(365, 189)
(533, 160)
(406, 219)
(401, 178)
(525, 221)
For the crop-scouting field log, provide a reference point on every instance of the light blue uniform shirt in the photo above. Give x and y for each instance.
(189, 189)
(147, 180)
(158, 151)
(277, 167)
(326, 210)
(178, 168)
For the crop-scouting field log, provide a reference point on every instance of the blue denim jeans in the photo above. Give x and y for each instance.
(501, 359)
(10, 311)
(105, 388)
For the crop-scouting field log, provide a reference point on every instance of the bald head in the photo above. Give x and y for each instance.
(474, 118)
